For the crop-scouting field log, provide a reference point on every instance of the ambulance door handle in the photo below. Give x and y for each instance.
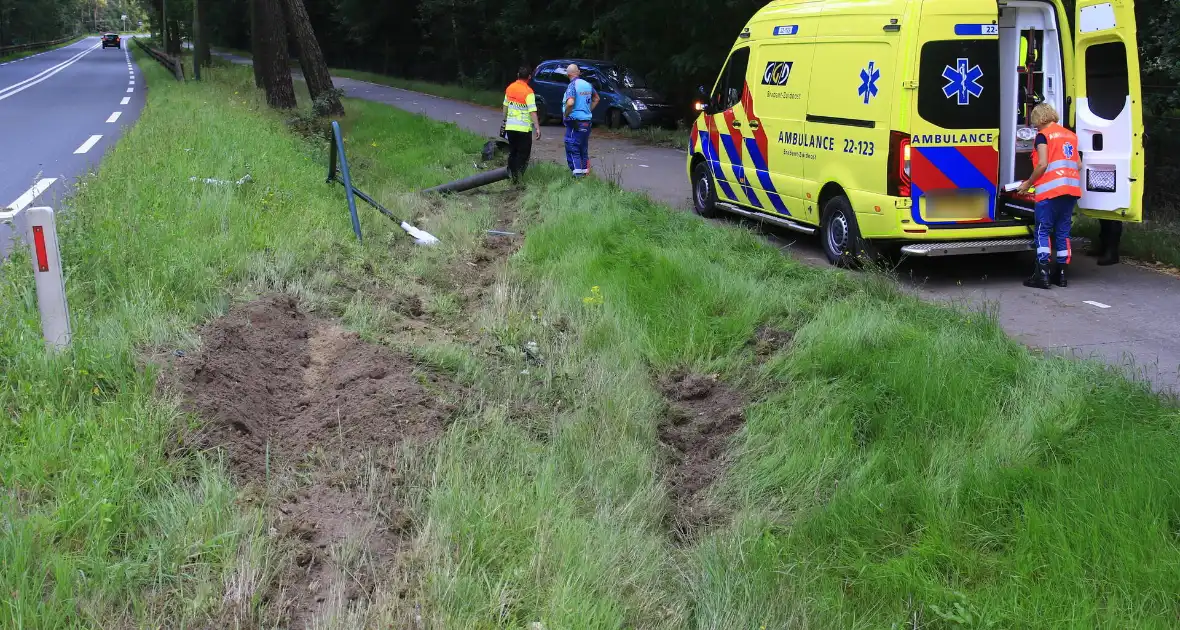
(754, 124)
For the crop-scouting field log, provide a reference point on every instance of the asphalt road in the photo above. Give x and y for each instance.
(59, 111)
(1126, 316)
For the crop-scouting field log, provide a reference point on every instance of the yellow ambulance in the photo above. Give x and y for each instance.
(905, 122)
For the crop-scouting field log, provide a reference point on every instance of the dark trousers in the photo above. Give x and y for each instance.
(1109, 234)
(1054, 219)
(577, 146)
(520, 148)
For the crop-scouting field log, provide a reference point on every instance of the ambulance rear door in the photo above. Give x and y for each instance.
(954, 130)
(1108, 109)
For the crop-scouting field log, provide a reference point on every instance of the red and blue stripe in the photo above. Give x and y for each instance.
(954, 168)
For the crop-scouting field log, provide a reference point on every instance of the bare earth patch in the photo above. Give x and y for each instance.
(314, 415)
(703, 415)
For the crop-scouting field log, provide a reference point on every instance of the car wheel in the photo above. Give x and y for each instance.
(704, 193)
(614, 119)
(842, 242)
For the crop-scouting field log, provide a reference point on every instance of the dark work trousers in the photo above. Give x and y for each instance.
(1109, 233)
(520, 147)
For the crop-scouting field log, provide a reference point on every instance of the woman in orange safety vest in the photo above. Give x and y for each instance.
(1056, 180)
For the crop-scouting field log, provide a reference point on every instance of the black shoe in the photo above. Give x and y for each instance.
(1039, 279)
(1059, 277)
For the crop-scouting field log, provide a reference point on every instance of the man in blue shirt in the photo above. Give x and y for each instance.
(580, 100)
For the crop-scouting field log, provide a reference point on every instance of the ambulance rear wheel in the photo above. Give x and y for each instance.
(704, 193)
(840, 233)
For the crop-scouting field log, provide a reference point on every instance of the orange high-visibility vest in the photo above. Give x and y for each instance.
(1061, 176)
(520, 102)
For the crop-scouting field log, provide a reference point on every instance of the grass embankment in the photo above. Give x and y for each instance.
(901, 464)
(36, 51)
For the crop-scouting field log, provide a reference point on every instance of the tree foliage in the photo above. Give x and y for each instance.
(27, 21)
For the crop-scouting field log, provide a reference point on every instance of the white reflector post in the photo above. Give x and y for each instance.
(41, 235)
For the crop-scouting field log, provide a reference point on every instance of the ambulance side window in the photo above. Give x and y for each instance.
(732, 81)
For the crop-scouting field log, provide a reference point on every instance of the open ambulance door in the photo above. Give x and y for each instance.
(1108, 109)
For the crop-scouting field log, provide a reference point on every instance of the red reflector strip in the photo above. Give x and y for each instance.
(39, 246)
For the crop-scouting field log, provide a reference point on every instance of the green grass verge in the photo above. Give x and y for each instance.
(107, 520)
(903, 465)
(1157, 240)
(36, 51)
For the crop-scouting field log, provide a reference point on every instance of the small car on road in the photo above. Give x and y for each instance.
(111, 40)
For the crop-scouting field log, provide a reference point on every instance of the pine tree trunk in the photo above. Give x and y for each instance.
(201, 52)
(311, 59)
(172, 46)
(275, 61)
(255, 43)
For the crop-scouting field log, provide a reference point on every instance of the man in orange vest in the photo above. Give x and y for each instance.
(520, 122)
(1057, 181)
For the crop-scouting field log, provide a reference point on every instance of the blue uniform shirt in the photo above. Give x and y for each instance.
(581, 91)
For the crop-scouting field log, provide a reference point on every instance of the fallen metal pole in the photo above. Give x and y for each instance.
(336, 153)
(467, 183)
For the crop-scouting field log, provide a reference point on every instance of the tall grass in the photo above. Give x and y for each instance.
(108, 520)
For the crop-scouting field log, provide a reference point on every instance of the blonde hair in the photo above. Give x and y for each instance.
(1042, 115)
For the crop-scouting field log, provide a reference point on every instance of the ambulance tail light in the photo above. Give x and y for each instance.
(899, 164)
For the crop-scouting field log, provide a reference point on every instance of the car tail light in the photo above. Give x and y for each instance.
(899, 164)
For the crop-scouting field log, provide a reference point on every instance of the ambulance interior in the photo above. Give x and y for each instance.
(1032, 66)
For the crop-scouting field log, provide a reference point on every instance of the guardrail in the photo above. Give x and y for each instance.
(4, 50)
(173, 64)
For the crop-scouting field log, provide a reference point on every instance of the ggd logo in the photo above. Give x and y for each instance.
(777, 73)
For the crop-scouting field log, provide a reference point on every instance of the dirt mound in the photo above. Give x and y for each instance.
(703, 415)
(768, 340)
(299, 404)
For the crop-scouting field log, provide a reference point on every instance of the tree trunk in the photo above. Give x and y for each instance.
(255, 42)
(274, 62)
(311, 59)
(173, 45)
(201, 50)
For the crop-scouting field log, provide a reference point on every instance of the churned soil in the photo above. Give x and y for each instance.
(703, 415)
(301, 405)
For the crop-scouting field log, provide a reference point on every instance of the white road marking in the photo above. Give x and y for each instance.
(16, 88)
(130, 90)
(1098, 304)
(126, 99)
(114, 117)
(89, 144)
(31, 194)
(132, 82)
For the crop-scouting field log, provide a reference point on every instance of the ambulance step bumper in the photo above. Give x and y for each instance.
(768, 218)
(962, 248)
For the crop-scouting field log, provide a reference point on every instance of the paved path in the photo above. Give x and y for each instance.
(1123, 315)
(59, 111)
